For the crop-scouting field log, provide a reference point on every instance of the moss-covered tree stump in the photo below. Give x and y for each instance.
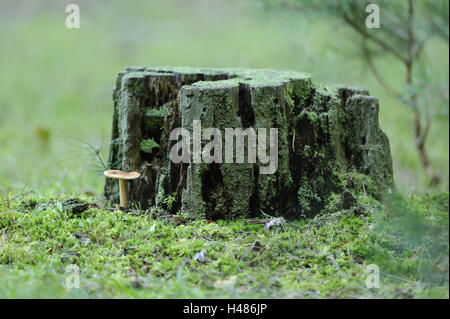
(329, 141)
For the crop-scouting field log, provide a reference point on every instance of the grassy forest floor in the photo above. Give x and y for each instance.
(55, 121)
(135, 254)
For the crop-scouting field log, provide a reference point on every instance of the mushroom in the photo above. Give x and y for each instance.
(122, 176)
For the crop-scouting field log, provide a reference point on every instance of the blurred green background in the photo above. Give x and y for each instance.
(56, 83)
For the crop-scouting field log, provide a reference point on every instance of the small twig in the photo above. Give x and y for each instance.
(242, 257)
(429, 256)
(335, 264)
(256, 221)
(21, 194)
(293, 141)
(364, 189)
(273, 217)
(375, 72)
(267, 215)
(376, 40)
(224, 235)
(396, 277)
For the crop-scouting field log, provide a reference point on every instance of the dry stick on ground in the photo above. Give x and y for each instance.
(256, 221)
(273, 217)
(224, 235)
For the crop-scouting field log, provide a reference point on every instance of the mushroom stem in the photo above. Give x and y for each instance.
(122, 176)
(123, 193)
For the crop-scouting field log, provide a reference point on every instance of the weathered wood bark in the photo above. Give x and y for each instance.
(328, 140)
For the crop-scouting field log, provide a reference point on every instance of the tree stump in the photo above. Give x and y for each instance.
(329, 141)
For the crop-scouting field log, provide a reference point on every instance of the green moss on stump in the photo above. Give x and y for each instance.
(148, 145)
(329, 141)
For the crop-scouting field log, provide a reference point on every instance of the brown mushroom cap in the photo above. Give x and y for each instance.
(121, 175)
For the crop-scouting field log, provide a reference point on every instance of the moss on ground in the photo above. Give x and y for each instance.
(135, 254)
